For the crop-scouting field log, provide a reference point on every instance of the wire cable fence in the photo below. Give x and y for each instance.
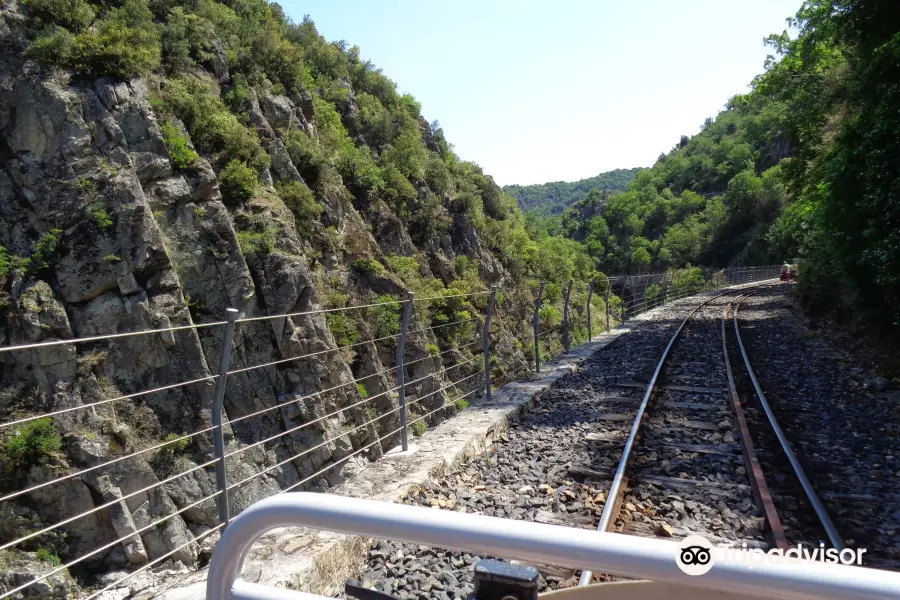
(447, 350)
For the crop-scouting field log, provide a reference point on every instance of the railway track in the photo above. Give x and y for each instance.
(688, 449)
(647, 439)
(844, 433)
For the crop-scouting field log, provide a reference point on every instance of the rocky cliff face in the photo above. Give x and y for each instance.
(105, 235)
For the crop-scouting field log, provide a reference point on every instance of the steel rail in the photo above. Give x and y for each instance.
(611, 506)
(811, 495)
(758, 484)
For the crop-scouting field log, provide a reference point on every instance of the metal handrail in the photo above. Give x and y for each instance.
(629, 556)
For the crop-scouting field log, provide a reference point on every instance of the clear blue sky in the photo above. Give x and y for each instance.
(561, 90)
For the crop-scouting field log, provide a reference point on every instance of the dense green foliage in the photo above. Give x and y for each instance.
(385, 316)
(237, 182)
(44, 252)
(839, 82)
(711, 200)
(553, 198)
(180, 151)
(805, 165)
(25, 447)
(95, 39)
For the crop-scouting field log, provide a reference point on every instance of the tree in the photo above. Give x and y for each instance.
(640, 258)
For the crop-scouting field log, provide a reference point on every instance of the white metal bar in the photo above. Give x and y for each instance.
(310, 355)
(111, 336)
(107, 401)
(317, 312)
(628, 556)
(33, 488)
(454, 296)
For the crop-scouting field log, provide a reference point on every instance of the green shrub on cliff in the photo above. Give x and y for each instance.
(122, 43)
(368, 265)
(342, 328)
(24, 446)
(238, 182)
(214, 130)
(179, 148)
(74, 15)
(302, 202)
(385, 317)
(44, 252)
(5, 262)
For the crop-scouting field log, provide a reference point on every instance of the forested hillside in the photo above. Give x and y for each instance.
(803, 166)
(553, 198)
(165, 161)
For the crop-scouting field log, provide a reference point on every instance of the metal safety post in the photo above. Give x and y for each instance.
(608, 290)
(486, 349)
(590, 293)
(217, 410)
(536, 323)
(401, 356)
(665, 290)
(567, 336)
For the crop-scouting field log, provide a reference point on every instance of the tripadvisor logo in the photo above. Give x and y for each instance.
(696, 555)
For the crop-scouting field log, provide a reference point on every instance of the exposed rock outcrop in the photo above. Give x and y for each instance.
(133, 243)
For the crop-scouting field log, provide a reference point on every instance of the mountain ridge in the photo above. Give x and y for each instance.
(554, 197)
